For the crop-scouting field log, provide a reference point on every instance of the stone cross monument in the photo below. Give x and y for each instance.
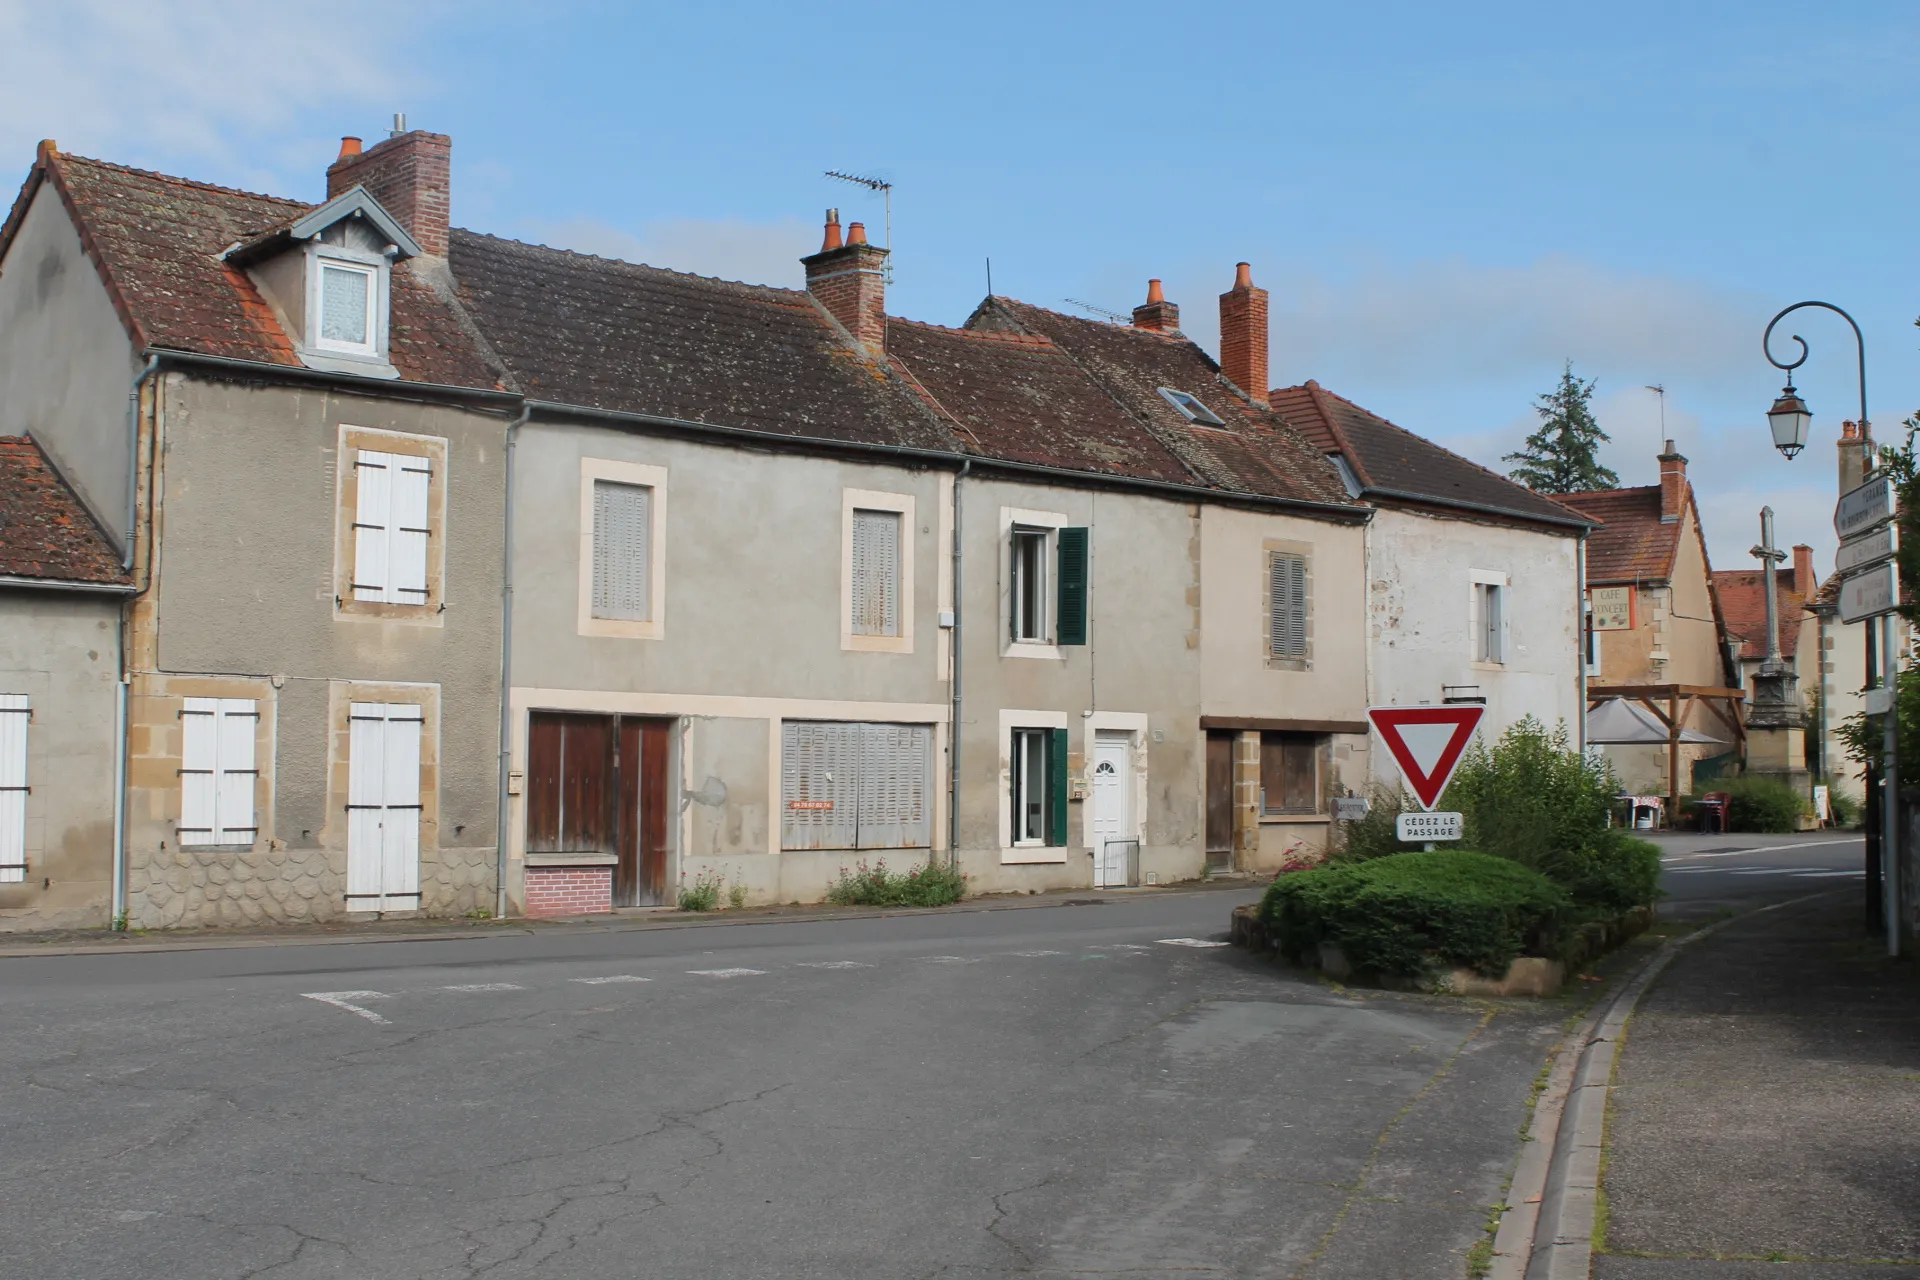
(1776, 725)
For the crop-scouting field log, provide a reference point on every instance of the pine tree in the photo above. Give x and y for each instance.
(1559, 457)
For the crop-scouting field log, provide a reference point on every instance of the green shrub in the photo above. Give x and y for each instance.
(1412, 912)
(1531, 797)
(703, 894)
(1614, 873)
(932, 885)
(1376, 835)
(1765, 805)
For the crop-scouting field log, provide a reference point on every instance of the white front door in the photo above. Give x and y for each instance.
(1112, 808)
(383, 806)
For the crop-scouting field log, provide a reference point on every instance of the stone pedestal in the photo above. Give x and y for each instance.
(1777, 730)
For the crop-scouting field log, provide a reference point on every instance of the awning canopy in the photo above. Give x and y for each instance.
(1621, 723)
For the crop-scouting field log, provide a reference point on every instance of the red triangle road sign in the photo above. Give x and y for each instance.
(1427, 743)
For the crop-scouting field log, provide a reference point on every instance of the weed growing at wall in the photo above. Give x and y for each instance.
(932, 885)
(703, 894)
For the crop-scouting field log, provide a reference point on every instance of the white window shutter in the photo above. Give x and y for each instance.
(14, 715)
(199, 770)
(400, 846)
(412, 480)
(372, 521)
(383, 806)
(876, 573)
(235, 721)
(622, 551)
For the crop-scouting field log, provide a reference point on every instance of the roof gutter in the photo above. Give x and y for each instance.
(942, 458)
(68, 584)
(385, 387)
(1407, 495)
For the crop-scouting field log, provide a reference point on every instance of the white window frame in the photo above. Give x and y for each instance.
(16, 730)
(233, 807)
(902, 505)
(1589, 638)
(376, 270)
(1030, 521)
(1485, 580)
(1011, 850)
(1191, 407)
(644, 476)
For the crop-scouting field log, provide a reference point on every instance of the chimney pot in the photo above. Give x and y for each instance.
(410, 175)
(1244, 335)
(1156, 313)
(856, 233)
(47, 147)
(832, 239)
(349, 146)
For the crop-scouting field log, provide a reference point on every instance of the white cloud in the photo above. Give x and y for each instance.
(729, 248)
(222, 85)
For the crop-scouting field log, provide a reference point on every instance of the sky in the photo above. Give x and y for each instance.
(1447, 202)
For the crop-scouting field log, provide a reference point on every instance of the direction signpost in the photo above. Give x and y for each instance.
(1870, 593)
(1427, 743)
(1865, 507)
(1867, 550)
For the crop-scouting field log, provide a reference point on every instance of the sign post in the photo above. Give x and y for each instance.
(1427, 743)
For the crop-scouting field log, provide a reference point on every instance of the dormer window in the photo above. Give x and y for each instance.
(348, 293)
(328, 277)
(1190, 408)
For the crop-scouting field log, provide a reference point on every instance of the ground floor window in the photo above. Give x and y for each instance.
(1290, 773)
(855, 785)
(1038, 790)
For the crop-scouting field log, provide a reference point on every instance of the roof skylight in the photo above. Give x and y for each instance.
(1190, 408)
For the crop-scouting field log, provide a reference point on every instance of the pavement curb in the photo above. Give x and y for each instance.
(603, 924)
(1546, 1231)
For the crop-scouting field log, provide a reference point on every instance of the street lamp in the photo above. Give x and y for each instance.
(1788, 420)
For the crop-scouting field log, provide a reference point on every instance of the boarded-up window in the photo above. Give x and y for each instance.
(1290, 773)
(855, 786)
(217, 771)
(1286, 605)
(622, 551)
(14, 715)
(390, 527)
(876, 573)
(569, 764)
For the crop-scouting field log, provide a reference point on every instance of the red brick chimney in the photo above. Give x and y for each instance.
(1803, 582)
(1853, 456)
(1243, 335)
(1157, 313)
(850, 281)
(410, 174)
(1673, 485)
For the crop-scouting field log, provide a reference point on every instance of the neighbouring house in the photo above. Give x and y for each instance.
(1473, 581)
(1655, 632)
(62, 583)
(279, 409)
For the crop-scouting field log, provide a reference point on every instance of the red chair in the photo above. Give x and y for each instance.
(1713, 811)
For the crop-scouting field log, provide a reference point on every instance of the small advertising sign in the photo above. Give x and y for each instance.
(1349, 808)
(1414, 828)
(1612, 608)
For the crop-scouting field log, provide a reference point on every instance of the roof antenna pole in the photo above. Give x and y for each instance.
(1114, 316)
(989, 277)
(1660, 389)
(885, 188)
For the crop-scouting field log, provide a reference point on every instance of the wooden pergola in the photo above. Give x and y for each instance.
(1671, 703)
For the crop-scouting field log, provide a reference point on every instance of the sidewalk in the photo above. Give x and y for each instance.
(1765, 1119)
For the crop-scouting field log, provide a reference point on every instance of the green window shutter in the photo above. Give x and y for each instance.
(1057, 786)
(1072, 614)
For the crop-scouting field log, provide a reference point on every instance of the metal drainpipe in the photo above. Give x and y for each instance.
(120, 787)
(953, 662)
(133, 455)
(506, 673)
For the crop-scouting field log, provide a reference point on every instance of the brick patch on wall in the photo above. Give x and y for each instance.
(569, 891)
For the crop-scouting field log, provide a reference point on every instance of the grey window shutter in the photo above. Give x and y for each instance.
(895, 769)
(1287, 605)
(622, 551)
(819, 784)
(876, 573)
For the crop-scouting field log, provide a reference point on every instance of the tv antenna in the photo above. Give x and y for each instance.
(1660, 389)
(885, 189)
(1114, 316)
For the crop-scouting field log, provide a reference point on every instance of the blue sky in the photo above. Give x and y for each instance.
(1446, 201)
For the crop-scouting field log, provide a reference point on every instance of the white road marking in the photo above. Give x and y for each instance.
(726, 973)
(1769, 871)
(833, 964)
(1189, 942)
(485, 986)
(612, 977)
(345, 999)
(1129, 946)
(1828, 875)
(953, 959)
(1765, 848)
(1035, 954)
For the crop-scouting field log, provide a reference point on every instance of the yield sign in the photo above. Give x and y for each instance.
(1426, 743)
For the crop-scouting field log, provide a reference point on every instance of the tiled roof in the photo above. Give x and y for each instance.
(1743, 604)
(1631, 545)
(157, 242)
(620, 336)
(1020, 398)
(1257, 452)
(45, 532)
(1384, 456)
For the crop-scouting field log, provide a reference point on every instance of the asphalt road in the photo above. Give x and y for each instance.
(1705, 875)
(1075, 1091)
